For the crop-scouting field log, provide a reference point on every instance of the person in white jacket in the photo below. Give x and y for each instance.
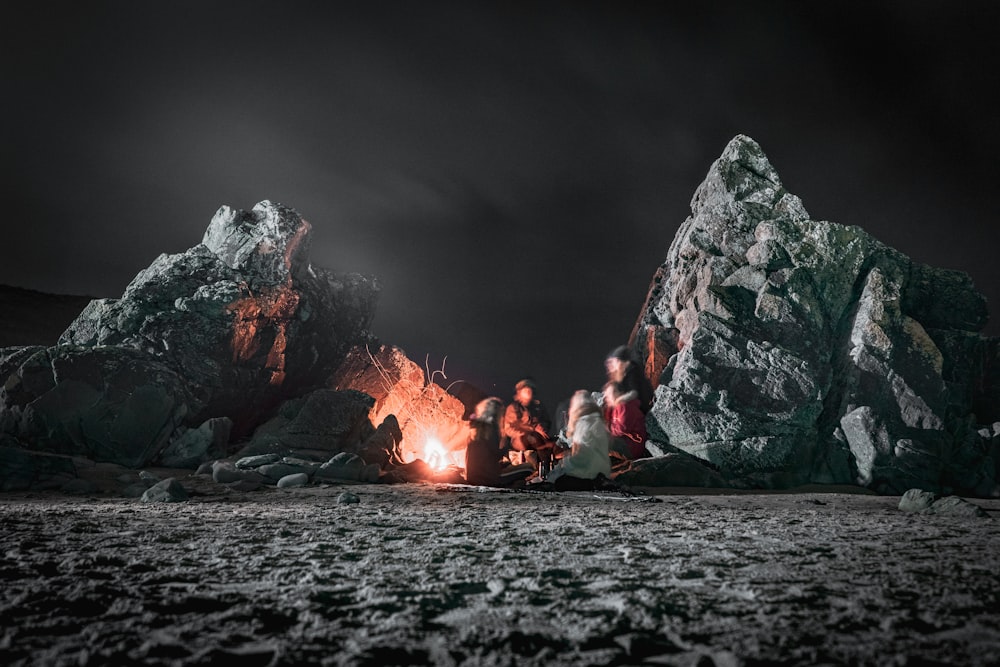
(589, 444)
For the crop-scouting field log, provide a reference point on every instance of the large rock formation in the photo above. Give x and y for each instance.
(227, 329)
(791, 350)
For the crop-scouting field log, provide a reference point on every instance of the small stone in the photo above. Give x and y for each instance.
(167, 491)
(224, 472)
(348, 498)
(250, 462)
(955, 506)
(293, 480)
(916, 500)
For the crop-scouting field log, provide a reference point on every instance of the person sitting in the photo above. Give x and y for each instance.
(626, 373)
(626, 422)
(482, 453)
(589, 441)
(526, 425)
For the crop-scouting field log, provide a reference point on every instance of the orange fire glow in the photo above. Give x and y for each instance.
(436, 455)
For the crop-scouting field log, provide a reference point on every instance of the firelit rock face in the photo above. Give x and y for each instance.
(229, 328)
(243, 315)
(789, 350)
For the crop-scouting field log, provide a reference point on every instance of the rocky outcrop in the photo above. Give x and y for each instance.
(790, 350)
(243, 315)
(225, 330)
(316, 426)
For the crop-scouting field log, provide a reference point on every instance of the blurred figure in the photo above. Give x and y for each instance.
(526, 424)
(628, 396)
(625, 422)
(624, 371)
(589, 441)
(482, 454)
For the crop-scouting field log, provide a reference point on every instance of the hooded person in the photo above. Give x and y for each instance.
(589, 440)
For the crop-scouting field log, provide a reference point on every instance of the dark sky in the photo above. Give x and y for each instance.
(512, 174)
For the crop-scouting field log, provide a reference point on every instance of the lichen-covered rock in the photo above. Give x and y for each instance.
(790, 350)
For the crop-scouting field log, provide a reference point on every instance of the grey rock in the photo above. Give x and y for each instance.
(383, 443)
(917, 500)
(192, 447)
(275, 471)
(225, 472)
(148, 478)
(348, 498)
(166, 491)
(228, 328)
(955, 506)
(925, 502)
(321, 423)
(791, 350)
(22, 469)
(109, 404)
(672, 470)
(293, 480)
(256, 461)
(205, 468)
(342, 466)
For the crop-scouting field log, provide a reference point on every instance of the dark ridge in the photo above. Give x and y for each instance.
(36, 318)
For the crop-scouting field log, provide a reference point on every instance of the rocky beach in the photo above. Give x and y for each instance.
(375, 574)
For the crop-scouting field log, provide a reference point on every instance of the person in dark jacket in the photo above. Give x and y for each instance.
(526, 425)
(482, 454)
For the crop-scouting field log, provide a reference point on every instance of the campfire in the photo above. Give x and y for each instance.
(435, 455)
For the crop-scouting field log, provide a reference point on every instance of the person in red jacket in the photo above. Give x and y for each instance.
(626, 422)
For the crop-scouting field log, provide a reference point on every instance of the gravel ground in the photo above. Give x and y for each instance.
(437, 574)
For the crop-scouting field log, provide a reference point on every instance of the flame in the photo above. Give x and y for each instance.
(435, 455)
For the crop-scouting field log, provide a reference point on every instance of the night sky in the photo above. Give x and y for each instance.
(512, 175)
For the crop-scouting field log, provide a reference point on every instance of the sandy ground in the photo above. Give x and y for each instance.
(421, 573)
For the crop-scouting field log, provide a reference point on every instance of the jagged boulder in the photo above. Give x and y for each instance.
(191, 447)
(110, 404)
(227, 329)
(243, 315)
(317, 425)
(789, 350)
